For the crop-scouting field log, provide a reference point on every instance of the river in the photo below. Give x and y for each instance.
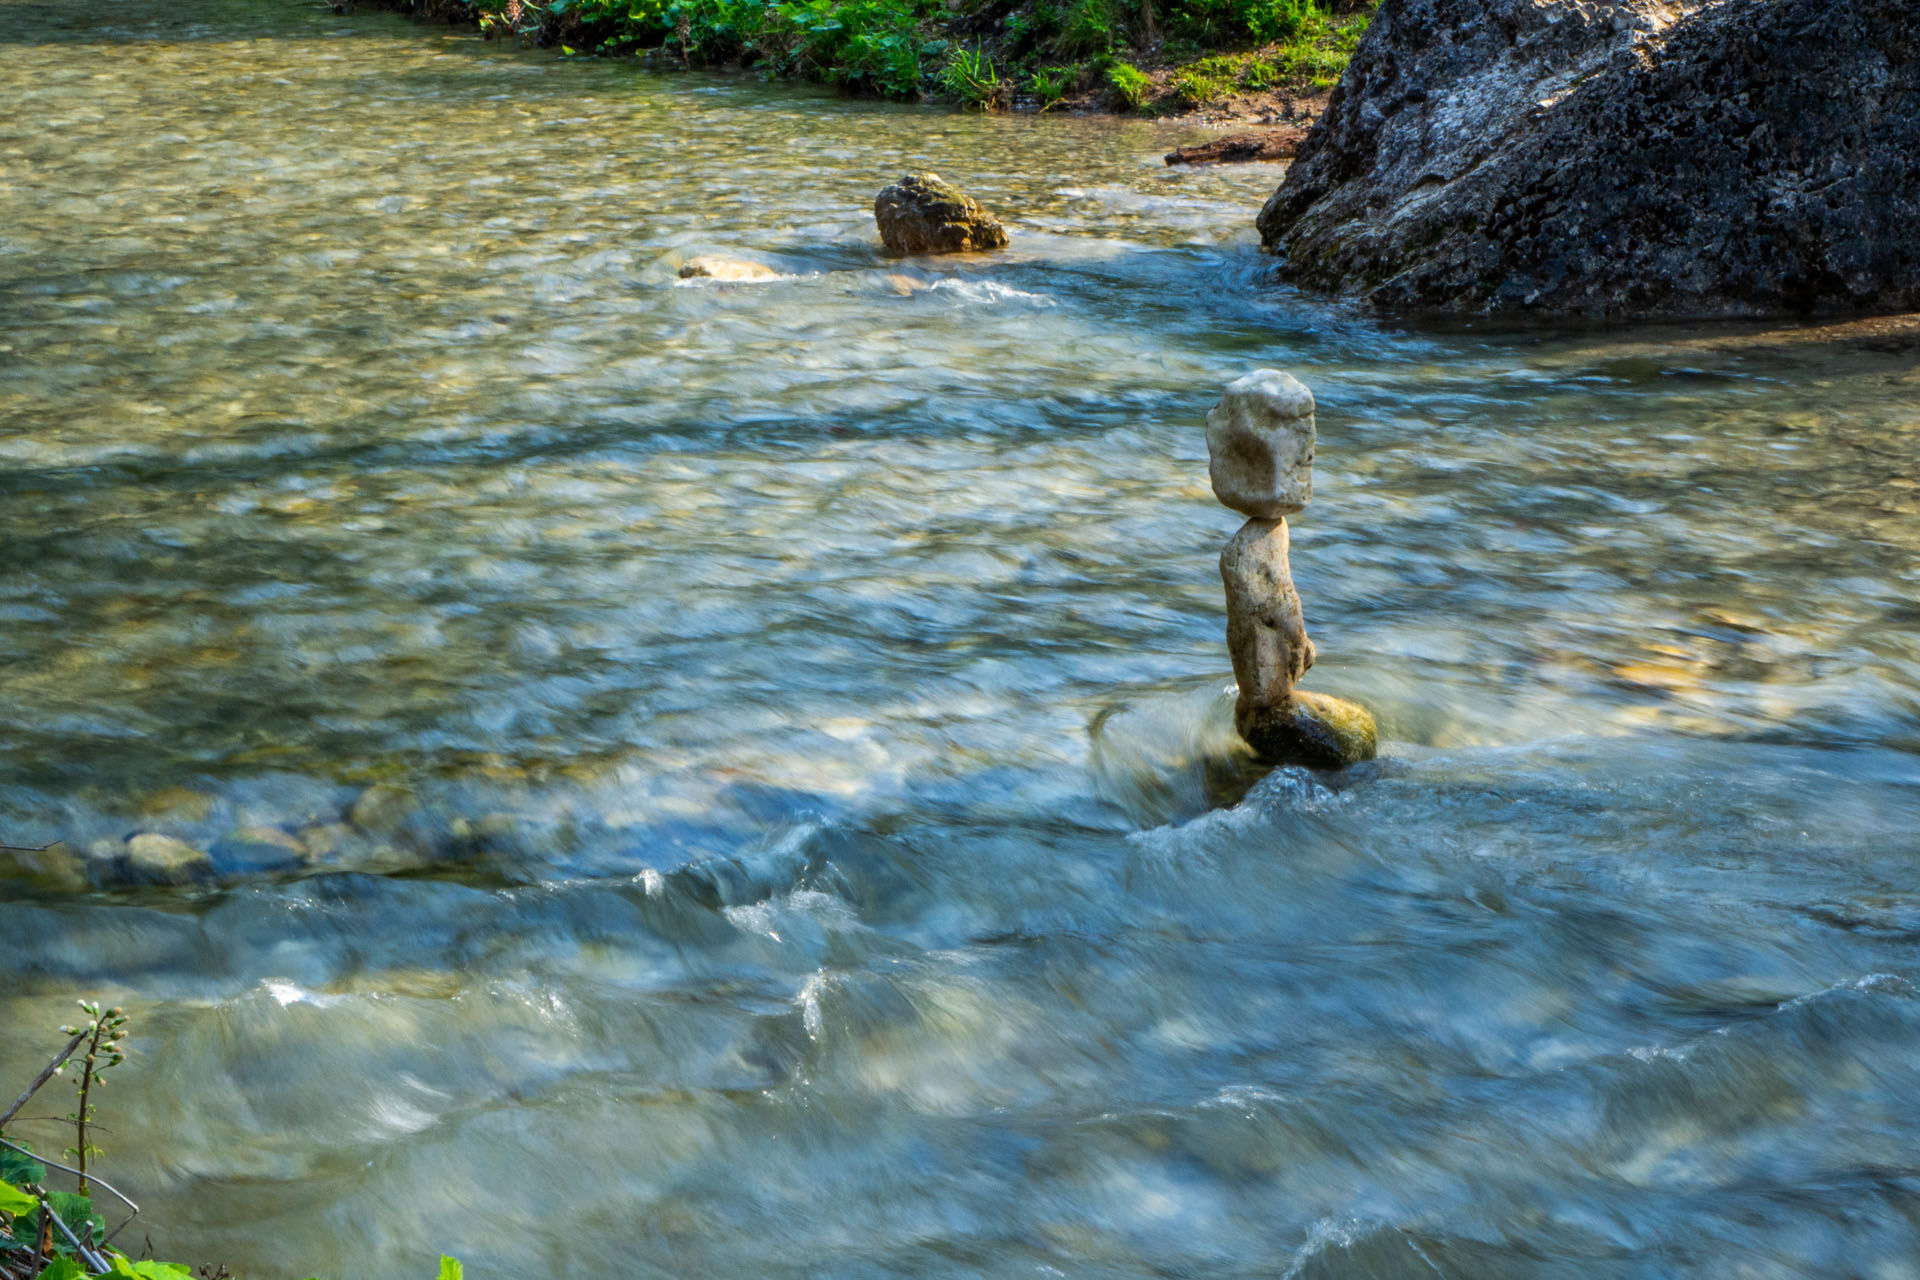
(792, 851)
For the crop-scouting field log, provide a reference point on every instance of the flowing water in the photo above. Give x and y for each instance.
(733, 775)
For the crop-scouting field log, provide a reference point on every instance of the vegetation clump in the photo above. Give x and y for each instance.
(49, 1234)
(981, 54)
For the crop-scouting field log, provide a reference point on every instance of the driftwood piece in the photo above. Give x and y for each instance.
(1241, 148)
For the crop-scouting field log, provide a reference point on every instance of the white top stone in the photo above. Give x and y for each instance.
(1260, 445)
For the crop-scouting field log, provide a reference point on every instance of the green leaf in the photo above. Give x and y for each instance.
(77, 1212)
(450, 1269)
(62, 1269)
(126, 1267)
(15, 1201)
(19, 1169)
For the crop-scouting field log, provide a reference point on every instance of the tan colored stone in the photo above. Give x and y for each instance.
(325, 842)
(382, 808)
(1266, 630)
(735, 270)
(156, 859)
(259, 848)
(1260, 445)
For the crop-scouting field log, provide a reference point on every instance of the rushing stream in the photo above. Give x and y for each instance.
(737, 752)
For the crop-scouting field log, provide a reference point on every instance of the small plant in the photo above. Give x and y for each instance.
(1050, 85)
(1129, 83)
(100, 1037)
(1259, 74)
(971, 77)
(1207, 80)
(1089, 29)
(57, 1235)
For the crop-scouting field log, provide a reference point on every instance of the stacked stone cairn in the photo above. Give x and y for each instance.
(1260, 444)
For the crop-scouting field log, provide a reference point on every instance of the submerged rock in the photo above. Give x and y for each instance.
(922, 213)
(325, 842)
(383, 808)
(55, 868)
(151, 858)
(256, 849)
(1616, 158)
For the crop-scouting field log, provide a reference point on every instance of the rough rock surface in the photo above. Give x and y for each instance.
(1260, 446)
(1266, 631)
(922, 213)
(1313, 729)
(1617, 158)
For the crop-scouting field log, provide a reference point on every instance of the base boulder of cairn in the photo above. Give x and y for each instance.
(1313, 729)
(1260, 440)
(922, 213)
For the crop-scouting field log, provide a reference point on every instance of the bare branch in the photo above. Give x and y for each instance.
(41, 1079)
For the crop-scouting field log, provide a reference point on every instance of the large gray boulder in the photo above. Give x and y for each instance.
(1616, 158)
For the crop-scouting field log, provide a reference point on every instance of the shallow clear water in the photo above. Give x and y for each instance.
(795, 854)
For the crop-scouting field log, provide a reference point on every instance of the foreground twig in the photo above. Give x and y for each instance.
(41, 1079)
(97, 1180)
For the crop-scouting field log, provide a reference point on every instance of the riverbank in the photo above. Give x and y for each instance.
(1206, 61)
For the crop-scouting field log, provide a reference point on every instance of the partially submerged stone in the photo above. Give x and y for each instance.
(383, 808)
(1313, 729)
(733, 270)
(923, 213)
(152, 858)
(1260, 445)
(53, 869)
(258, 849)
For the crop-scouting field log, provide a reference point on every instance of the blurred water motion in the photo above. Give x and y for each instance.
(763, 743)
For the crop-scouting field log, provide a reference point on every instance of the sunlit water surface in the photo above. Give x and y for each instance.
(795, 853)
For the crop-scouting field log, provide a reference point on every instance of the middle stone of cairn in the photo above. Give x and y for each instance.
(1260, 446)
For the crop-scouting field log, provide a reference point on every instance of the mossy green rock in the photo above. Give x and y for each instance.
(1313, 729)
(923, 213)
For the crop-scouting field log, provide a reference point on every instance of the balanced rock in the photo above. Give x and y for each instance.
(1616, 158)
(922, 213)
(1266, 629)
(1260, 440)
(1260, 446)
